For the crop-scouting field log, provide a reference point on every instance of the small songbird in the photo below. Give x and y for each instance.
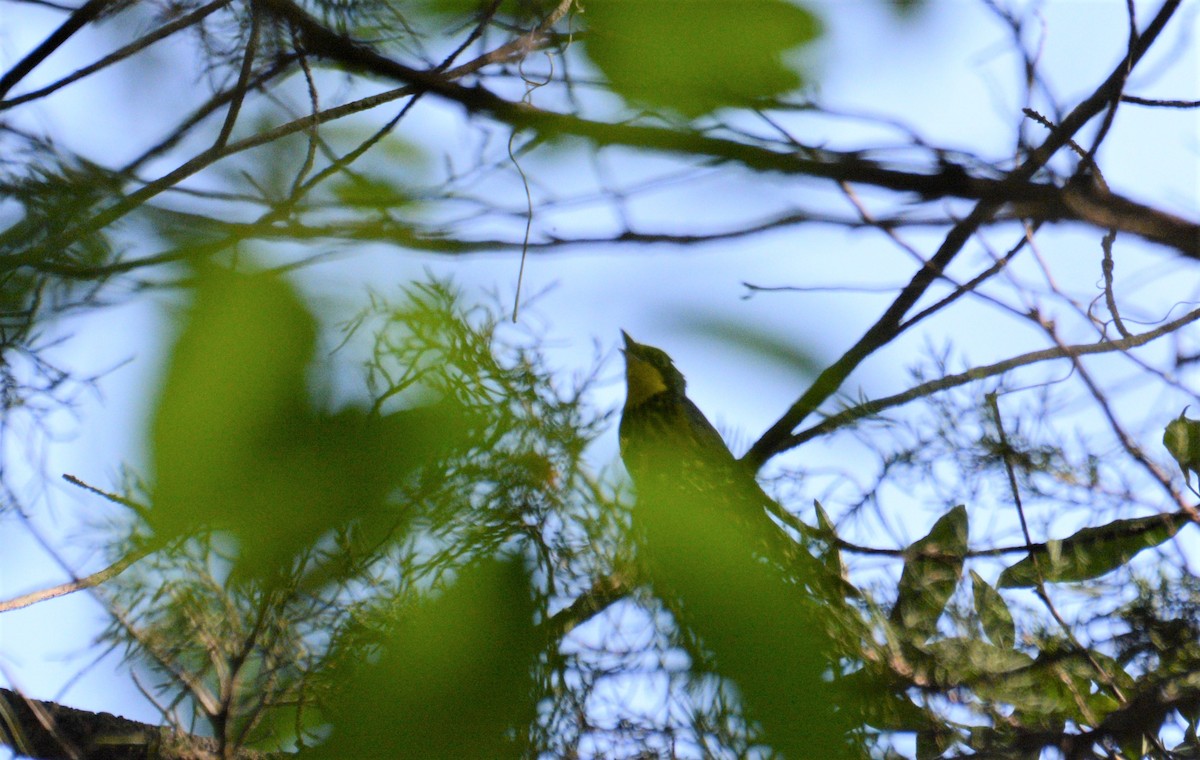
(741, 586)
(673, 453)
(658, 414)
(1182, 439)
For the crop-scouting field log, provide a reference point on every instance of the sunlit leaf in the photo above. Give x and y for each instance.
(1055, 686)
(963, 660)
(932, 568)
(694, 56)
(1091, 552)
(994, 615)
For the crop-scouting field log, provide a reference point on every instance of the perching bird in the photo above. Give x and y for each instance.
(672, 451)
(704, 533)
(1182, 439)
(658, 414)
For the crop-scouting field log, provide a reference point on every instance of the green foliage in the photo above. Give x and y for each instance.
(450, 678)
(364, 193)
(905, 8)
(700, 549)
(233, 391)
(933, 566)
(694, 56)
(1091, 552)
(994, 615)
(834, 575)
(240, 447)
(471, 11)
(307, 561)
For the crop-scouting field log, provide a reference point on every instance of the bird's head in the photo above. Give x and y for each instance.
(648, 372)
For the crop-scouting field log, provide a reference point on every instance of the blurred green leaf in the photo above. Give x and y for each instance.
(235, 375)
(469, 11)
(833, 555)
(963, 660)
(1091, 552)
(1054, 687)
(695, 56)
(743, 611)
(780, 348)
(994, 615)
(239, 447)
(452, 679)
(933, 566)
(369, 192)
(906, 8)
(835, 582)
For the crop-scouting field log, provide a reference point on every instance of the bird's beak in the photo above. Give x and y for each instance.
(629, 342)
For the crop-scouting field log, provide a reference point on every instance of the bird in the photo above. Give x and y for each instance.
(674, 454)
(658, 415)
(1182, 439)
(740, 587)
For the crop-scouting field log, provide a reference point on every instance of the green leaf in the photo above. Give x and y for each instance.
(1091, 552)
(1002, 676)
(994, 615)
(453, 677)
(1054, 687)
(905, 8)
(832, 556)
(932, 568)
(235, 375)
(239, 447)
(1057, 686)
(835, 584)
(885, 708)
(967, 661)
(369, 192)
(695, 56)
(704, 554)
(458, 13)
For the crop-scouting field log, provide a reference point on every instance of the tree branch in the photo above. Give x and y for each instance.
(869, 408)
(50, 731)
(890, 323)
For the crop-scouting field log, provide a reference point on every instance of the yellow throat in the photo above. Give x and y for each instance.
(642, 380)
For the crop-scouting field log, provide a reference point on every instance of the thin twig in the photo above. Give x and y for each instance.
(868, 408)
(1040, 589)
